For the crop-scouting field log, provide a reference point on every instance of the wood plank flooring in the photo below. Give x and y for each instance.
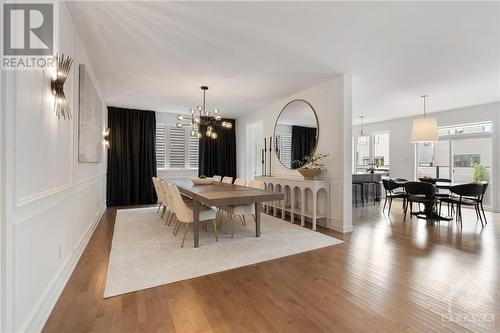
(388, 276)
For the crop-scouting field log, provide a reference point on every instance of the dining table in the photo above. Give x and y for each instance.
(428, 209)
(219, 194)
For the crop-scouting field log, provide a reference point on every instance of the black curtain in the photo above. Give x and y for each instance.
(131, 157)
(218, 156)
(303, 142)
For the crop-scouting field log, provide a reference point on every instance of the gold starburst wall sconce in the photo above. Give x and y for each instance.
(62, 66)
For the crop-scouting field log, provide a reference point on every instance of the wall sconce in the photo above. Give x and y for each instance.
(106, 138)
(62, 67)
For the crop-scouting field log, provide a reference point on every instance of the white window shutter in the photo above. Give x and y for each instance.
(161, 145)
(177, 147)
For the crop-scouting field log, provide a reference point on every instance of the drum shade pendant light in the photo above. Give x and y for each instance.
(209, 119)
(424, 129)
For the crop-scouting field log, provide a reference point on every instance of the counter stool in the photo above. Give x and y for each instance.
(356, 187)
(374, 193)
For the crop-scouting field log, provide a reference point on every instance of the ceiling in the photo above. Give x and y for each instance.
(156, 55)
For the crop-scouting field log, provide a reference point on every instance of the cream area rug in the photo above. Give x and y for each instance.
(146, 254)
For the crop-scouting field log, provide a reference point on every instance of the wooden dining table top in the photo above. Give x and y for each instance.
(222, 194)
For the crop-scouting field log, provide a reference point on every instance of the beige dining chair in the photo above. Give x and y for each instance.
(170, 207)
(184, 213)
(227, 180)
(242, 210)
(161, 196)
(216, 178)
(240, 182)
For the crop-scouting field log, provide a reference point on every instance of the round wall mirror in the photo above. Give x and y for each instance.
(296, 133)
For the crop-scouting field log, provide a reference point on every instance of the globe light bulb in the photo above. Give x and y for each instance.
(223, 124)
(197, 120)
(199, 135)
(218, 117)
(229, 125)
(216, 111)
(214, 135)
(178, 125)
(192, 111)
(209, 133)
(193, 133)
(199, 108)
(179, 117)
(210, 128)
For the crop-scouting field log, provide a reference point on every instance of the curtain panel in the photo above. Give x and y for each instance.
(131, 157)
(218, 156)
(303, 142)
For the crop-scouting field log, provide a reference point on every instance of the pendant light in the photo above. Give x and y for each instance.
(362, 139)
(424, 129)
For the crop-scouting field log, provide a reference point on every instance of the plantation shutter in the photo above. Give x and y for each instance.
(161, 144)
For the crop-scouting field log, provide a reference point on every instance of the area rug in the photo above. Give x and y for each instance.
(146, 254)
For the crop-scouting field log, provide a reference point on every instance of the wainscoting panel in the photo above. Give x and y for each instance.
(42, 244)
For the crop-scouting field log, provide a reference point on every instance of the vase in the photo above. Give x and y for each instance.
(309, 174)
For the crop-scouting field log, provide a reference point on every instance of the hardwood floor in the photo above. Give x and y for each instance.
(388, 276)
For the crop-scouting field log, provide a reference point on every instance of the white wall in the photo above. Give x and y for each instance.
(51, 202)
(332, 102)
(402, 151)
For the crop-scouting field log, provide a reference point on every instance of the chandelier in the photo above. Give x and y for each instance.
(200, 116)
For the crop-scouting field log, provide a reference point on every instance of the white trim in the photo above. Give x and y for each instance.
(40, 312)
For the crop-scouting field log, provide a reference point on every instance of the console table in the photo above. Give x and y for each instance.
(296, 198)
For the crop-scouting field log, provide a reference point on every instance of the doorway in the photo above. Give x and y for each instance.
(253, 150)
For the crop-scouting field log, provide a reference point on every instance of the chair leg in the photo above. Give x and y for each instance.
(390, 205)
(233, 222)
(241, 220)
(244, 221)
(254, 218)
(172, 216)
(159, 206)
(185, 233)
(479, 214)
(405, 211)
(484, 215)
(215, 230)
(385, 202)
(163, 211)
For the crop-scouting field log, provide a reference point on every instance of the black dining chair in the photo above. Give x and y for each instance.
(441, 194)
(389, 187)
(421, 193)
(485, 187)
(466, 195)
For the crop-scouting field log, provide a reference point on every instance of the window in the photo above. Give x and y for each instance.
(161, 145)
(373, 150)
(284, 146)
(381, 149)
(175, 148)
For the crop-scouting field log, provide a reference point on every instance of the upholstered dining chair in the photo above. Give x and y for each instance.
(168, 201)
(242, 210)
(216, 178)
(184, 213)
(227, 180)
(161, 196)
(240, 182)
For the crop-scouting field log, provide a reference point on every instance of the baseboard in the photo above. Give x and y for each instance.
(337, 225)
(36, 319)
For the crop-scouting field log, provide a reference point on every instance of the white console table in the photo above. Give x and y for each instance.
(298, 206)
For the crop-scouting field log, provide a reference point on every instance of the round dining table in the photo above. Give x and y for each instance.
(430, 211)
